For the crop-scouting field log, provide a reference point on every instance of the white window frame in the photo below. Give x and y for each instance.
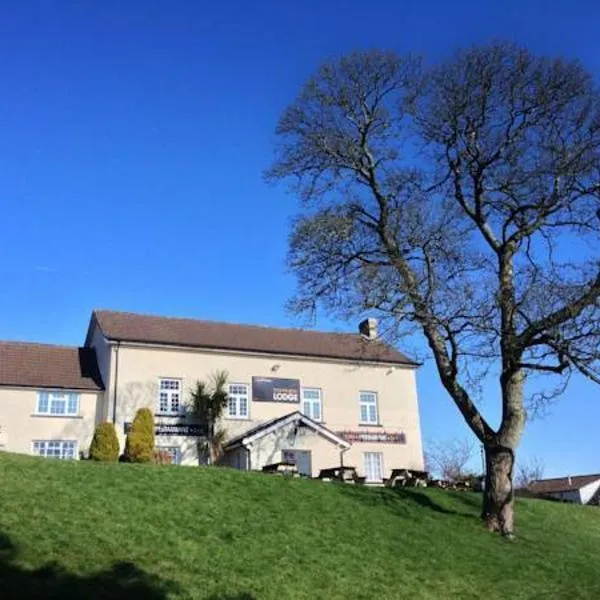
(312, 402)
(170, 449)
(234, 400)
(368, 405)
(368, 475)
(46, 447)
(169, 392)
(53, 398)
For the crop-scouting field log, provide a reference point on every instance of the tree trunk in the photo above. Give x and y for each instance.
(498, 496)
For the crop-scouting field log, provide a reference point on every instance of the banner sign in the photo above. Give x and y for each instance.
(369, 436)
(269, 389)
(194, 430)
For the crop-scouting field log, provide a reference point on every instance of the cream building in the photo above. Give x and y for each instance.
(313, 398)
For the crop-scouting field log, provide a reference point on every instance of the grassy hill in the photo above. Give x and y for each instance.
(85, 530)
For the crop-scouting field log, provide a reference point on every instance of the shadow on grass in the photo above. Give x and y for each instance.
(399, 500)
(122, 581)
(242, 596)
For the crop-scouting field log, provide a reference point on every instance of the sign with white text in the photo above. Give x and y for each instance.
(382, 437)
(270, 389)
(183, 429)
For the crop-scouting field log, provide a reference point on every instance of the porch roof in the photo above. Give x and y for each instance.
(267, 427)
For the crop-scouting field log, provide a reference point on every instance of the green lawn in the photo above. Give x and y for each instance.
(86, 530)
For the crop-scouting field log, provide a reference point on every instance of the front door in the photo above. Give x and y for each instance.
(301, 458)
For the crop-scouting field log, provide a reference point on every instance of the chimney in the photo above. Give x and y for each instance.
(569, 479)
(368, 328)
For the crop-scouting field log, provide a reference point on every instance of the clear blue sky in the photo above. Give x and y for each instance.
(133, 136)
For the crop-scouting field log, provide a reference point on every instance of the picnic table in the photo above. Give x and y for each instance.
(407, 477)
(341, 473)
(282, 468)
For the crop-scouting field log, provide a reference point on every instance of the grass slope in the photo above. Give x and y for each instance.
(85, 530)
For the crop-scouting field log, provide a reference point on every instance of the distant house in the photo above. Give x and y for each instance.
(579, 489)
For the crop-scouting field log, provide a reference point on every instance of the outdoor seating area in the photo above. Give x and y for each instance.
(345, 474)
(407, 478)
(282, 468)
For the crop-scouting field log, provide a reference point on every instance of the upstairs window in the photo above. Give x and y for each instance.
(311, 403)
(169, 397)
(369, 415)
(58, 404)
(237, 401)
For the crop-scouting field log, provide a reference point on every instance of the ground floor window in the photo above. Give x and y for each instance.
(172, 452)
(55, 449)
(374, 466)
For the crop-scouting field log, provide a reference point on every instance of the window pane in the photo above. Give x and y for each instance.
(73, 405)
(58, 405)
(243, 407)
(42, 402)
(232, 404)
(364, 415)
(373, 413)
(317, 411)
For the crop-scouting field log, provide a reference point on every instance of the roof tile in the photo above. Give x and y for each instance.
(24, 364)
(149, 329)
(562, 484)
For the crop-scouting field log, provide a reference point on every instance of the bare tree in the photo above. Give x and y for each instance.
(449, 460)
(528, 472)
(463, 204)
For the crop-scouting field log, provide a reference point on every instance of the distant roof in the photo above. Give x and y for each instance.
(561, 484)
(24, 364)
(149, 329)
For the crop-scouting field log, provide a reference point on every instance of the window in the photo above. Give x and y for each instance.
(63, 450)
(374, 466)
(368, 408)
(169, 396)
(237, 401)
(311, 403)
(172, 451)
(58, 404)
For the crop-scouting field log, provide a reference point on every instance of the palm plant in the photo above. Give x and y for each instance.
(207, 403)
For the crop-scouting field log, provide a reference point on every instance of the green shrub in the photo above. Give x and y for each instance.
(105, 445)
(139, 446)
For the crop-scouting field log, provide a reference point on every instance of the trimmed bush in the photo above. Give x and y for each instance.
(105, 445)
(139, 446)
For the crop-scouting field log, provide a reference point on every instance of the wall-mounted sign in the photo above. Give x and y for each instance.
(270, 389)
(192, 430)
(370, 436)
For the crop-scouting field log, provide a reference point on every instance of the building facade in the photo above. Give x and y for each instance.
(316, 399)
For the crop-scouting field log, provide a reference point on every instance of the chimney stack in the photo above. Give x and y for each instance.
(368, 328)
(569, 479)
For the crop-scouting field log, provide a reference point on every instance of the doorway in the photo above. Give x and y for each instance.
(301, 458)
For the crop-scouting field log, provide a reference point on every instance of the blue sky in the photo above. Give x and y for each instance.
(133, 139)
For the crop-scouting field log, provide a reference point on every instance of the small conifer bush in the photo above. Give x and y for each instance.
(105, 445)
